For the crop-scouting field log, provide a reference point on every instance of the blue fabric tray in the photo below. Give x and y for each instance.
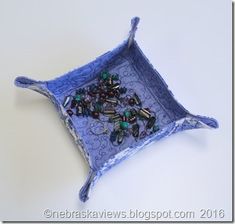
(137, 74)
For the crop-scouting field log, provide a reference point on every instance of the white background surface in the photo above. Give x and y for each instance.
(188, 42)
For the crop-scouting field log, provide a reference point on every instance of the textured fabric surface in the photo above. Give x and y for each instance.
(138, 75)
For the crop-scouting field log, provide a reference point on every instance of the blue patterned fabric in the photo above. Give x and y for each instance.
(138, 75)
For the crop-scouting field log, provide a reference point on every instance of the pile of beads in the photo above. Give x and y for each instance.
(107, 98)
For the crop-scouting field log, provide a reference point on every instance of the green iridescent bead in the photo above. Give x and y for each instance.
(124, 125)
(78, 97)
(127, 113)
(105, 75)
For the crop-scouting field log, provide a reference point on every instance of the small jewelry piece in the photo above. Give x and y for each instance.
(150, 122)
(135, 130)
(103, 99)
(66, 101)
(70, 112)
